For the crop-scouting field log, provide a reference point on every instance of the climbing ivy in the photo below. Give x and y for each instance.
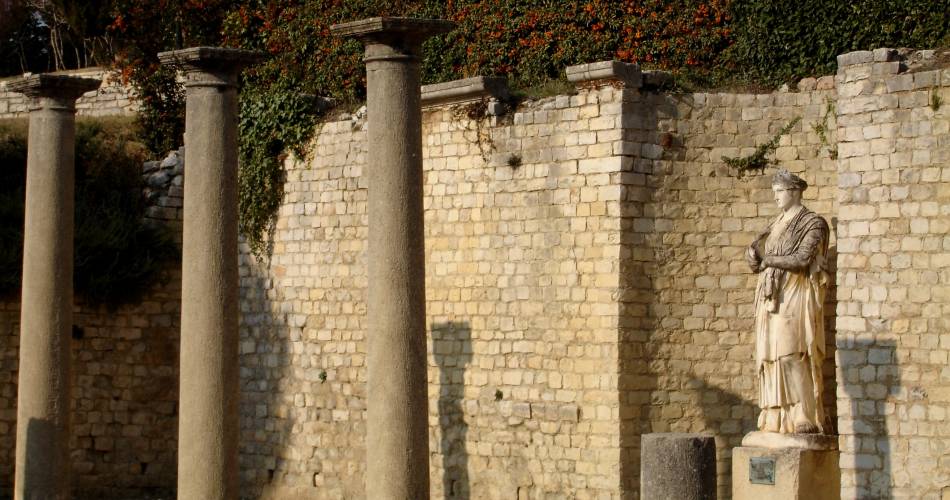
(273, 122)
(759, 160)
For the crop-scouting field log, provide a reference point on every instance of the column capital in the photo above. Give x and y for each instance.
(58, 91)
(400, 37)
(210, 66)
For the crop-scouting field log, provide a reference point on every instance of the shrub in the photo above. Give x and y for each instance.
(780, 41)
(118, 256)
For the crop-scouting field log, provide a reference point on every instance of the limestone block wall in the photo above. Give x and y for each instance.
(125, 378)
(522, 243)
(112, 97)
(687, 307)
(893, 275)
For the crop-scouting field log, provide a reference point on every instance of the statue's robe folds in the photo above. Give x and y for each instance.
(789, 322)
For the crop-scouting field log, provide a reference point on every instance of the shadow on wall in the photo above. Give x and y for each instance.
(729, 417)
(9, 347)
(868, 387)
(452, 349)
(265, 352)
(637, 380)
(830, 396)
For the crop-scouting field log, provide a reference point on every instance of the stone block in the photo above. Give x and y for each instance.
(885, 55)
(794, 473)
(677, 466)
(856, 57)
(465, 90)
(626, 73)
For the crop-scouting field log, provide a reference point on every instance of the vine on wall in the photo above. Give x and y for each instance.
(272, 123)
(759, 160)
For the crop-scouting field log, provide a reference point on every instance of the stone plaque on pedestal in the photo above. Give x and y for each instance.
(786, 467)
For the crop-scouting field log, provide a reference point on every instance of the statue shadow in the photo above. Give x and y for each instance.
(452, 350)
(830, 380)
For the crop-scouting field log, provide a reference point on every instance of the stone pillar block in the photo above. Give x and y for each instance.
(786, 467)
(677, 467)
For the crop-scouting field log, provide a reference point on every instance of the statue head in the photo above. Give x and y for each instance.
(788, 189)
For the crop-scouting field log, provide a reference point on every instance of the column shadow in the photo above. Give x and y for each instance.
(452, 350)
(266, 425)
(872, 381)
(718, 405)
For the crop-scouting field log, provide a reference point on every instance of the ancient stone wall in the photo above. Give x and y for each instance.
(112, 97)
(125, 378)
(522, 242)
(893, 275)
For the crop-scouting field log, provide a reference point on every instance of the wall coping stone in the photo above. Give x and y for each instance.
(381, 26)
(885, 55)
(465, 90)
(856, 57)
(627, 73)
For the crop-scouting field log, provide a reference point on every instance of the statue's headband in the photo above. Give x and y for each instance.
(789, 180)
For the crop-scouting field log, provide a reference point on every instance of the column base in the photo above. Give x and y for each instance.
(786, 467)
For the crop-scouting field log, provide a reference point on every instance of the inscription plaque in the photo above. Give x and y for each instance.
(762, 470)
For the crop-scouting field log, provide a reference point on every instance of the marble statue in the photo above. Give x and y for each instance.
(790, 257)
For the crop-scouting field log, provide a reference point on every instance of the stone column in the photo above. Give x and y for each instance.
(46, 311)
(397, 443)
(678, 466)
(209, 379)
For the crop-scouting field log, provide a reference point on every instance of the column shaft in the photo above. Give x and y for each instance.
(397, 405)
(397, 400)
(209, 388)
(43, 396)
(43, 384)
(209, 377)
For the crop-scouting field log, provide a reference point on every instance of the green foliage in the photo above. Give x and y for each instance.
(935, 100)
(143, 28)
(821, 129)
(530, 42)
(272, 122)
(705, 43)
(117, 255)
(160, 122)
(12, 183)
(758, 160)
(779, 41)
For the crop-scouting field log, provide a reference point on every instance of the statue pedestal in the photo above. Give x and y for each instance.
(786, 467)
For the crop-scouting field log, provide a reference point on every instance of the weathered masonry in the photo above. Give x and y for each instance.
(584, 286)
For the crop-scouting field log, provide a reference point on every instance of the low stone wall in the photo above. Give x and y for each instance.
(112, 98)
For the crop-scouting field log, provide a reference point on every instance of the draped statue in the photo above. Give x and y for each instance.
(790, 257)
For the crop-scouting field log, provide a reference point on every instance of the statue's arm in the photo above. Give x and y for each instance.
(799, 260)
(753, 254)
